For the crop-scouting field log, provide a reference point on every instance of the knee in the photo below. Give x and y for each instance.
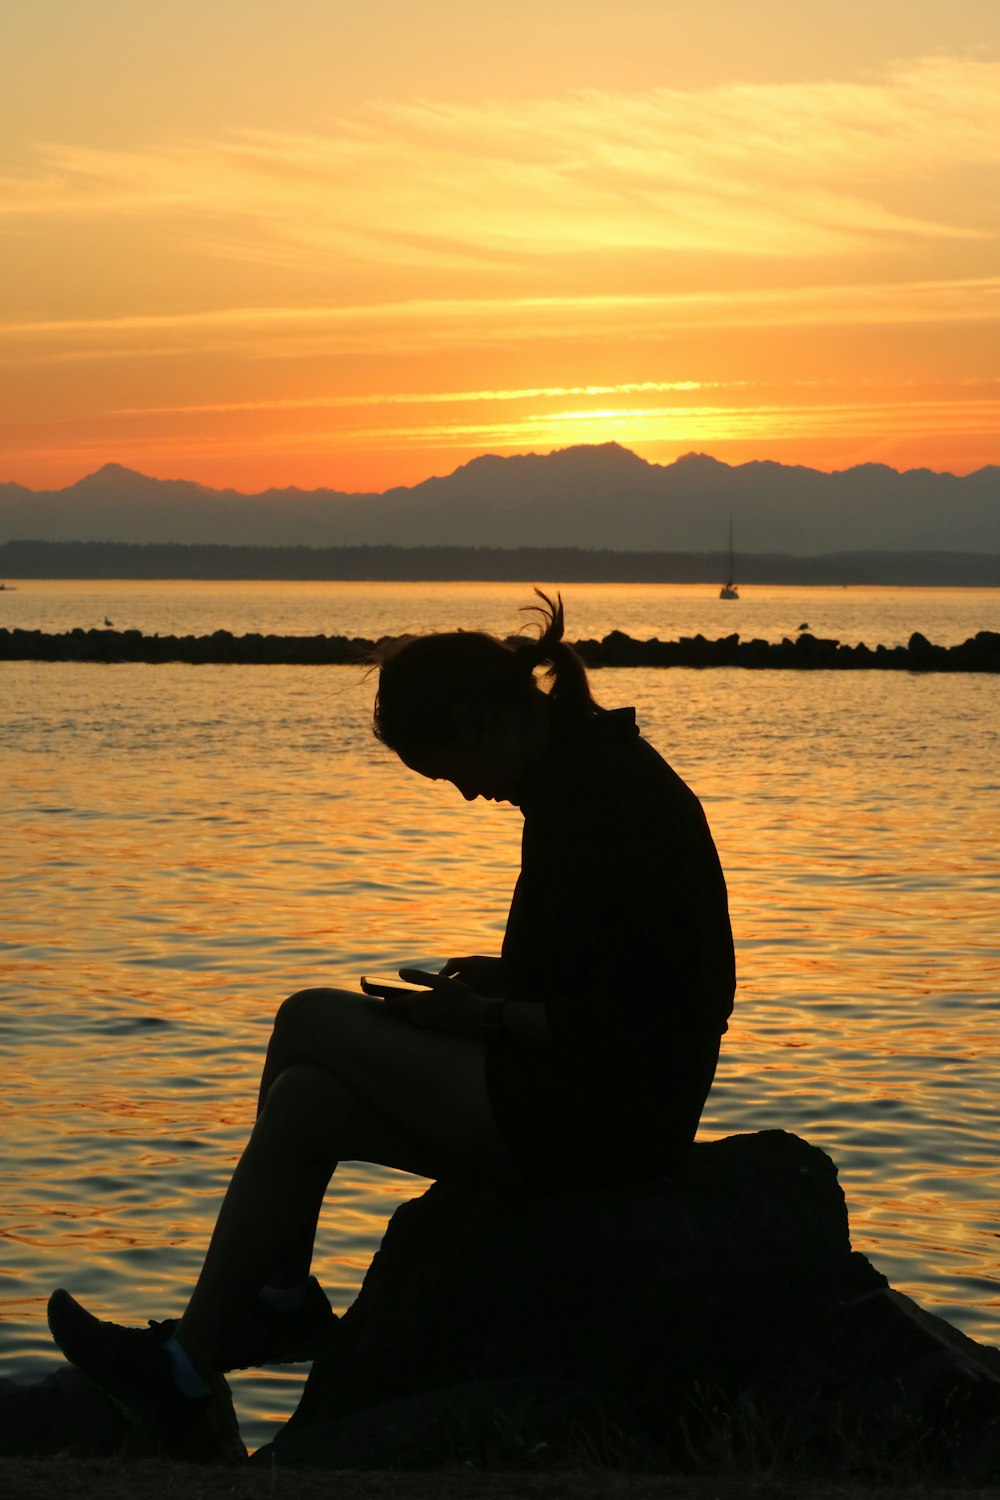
(294, 1088)
(290, 1086)
(297, 1016)
(291, 1013)
(305, 1110)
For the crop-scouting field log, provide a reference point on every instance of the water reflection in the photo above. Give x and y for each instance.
(198, 607)
(184, 846)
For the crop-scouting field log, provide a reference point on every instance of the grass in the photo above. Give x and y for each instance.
(157, 1479)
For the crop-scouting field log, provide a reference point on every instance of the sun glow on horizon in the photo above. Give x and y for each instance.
(798, 267)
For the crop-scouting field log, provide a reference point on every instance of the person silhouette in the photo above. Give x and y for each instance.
(583, 1053)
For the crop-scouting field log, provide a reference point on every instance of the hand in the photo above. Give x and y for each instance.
(447, 1005)
(484, 975)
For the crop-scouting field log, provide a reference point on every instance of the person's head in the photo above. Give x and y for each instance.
(465, 707)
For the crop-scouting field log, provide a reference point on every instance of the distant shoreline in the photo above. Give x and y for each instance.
(23, 560)
(980, 653)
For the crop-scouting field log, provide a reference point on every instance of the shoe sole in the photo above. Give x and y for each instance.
(265, 1357)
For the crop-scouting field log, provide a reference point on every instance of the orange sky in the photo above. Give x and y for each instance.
(353, 246)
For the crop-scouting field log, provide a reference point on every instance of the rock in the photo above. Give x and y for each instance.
(979, 654)
(816, 651)
(717, 1314)
(515, 1422)
(883, 1377)
(720, 1308)
(63, 1413)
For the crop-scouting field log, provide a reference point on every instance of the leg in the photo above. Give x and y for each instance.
(355, 1038)
(343, 1078)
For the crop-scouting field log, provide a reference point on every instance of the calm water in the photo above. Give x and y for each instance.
(874, 615)
(186, 845)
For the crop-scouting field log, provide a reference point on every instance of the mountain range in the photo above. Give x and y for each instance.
(588, 496)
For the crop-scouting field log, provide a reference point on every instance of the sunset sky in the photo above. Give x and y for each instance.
(322, 243)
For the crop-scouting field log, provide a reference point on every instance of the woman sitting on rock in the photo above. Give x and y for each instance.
(583, 1054)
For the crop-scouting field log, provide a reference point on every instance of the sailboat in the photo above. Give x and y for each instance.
(729, 589)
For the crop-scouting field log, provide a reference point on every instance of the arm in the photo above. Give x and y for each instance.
(454, 1007)
(605, 926)
(484, 975)
(524, 1021)
(527, 1025)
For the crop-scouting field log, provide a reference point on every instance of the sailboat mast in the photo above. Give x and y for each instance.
(729, 589)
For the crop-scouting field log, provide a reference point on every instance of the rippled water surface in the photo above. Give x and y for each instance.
(185, 845)
(877, 616)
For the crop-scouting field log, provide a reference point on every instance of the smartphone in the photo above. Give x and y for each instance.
(383, 987)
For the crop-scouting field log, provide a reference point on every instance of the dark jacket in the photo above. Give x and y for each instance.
(619, 922)
(619, 926)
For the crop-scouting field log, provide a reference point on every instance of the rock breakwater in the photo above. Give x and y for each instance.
(980, 653)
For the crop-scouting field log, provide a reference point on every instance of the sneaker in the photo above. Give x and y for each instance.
(265, 1336)
(134, 1371)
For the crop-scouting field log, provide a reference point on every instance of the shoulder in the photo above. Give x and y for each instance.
(615, 757)
(607, 771)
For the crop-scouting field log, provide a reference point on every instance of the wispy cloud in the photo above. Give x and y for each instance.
(653, 266)
(689, 424)
(435, 398)
(468, 319)
(649, 429)
(809, 169)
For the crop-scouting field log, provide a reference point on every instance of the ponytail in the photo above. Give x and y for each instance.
(569, 687)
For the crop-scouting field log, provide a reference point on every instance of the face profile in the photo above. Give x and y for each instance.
(490, 750)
